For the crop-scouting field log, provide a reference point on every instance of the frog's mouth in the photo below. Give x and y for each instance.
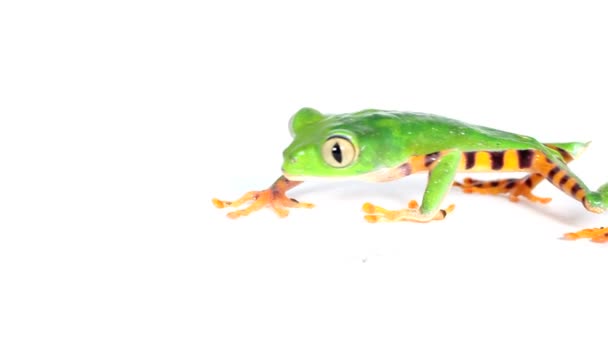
(295, 178)
(302, 178)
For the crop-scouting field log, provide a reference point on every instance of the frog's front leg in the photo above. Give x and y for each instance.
(273, 197)
(442, 170)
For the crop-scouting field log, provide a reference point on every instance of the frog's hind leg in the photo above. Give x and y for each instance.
(596, 202)
(517, 187)
(558, 174)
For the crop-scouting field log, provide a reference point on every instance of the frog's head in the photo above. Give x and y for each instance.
(344, 145)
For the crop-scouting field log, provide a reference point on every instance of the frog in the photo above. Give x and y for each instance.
(385, 145)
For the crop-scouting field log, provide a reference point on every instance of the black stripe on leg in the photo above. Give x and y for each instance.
(528, 182)
(525, 158)
(511, 183)
(498, 159)
(563, 180)
(431, 158)
(565, 155)
(469, 158)
(585, 203)
(575, 189)
(552, 173)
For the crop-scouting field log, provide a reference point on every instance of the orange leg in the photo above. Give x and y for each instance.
(273, 197)
(512, 186)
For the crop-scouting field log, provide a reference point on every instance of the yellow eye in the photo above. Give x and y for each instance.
(338, 151)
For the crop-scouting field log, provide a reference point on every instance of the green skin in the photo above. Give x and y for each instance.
(387, 139)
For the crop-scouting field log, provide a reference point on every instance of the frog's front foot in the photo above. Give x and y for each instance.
(277, 200)
(411, 213)
(512, 186)
(594, 234)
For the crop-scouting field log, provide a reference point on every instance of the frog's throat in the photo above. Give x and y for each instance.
(380, 175)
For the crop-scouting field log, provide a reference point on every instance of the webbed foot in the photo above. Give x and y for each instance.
(411, 213)
(594, 234)
(273, 197)
(260, 199)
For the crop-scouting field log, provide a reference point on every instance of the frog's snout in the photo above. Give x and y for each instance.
(289, 160)
(287, 163)
(290, 165)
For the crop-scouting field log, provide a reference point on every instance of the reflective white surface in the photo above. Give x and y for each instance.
(120, 121)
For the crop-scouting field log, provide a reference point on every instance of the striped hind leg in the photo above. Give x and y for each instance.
(594, 201)
(523, 186)
(513, 186)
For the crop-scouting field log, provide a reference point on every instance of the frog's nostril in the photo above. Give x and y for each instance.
(293, 160)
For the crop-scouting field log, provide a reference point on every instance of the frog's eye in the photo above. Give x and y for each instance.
(339, 151)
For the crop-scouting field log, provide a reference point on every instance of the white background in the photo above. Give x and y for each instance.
(120, 120)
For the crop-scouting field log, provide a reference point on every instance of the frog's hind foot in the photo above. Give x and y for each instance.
(512, 186)
(594, 234)
(411, 213)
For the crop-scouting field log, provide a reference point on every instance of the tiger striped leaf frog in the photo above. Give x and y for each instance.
(379, 145)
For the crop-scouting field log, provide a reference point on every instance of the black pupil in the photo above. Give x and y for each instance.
(336, 152)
